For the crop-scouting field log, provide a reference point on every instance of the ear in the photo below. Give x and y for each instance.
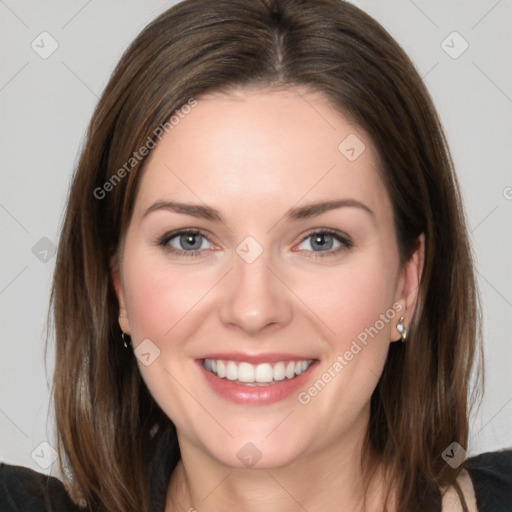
(408, 285)
(115, 272)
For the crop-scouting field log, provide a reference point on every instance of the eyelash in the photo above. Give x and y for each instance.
(343, 239)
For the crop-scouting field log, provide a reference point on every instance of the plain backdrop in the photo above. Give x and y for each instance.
(46, 104)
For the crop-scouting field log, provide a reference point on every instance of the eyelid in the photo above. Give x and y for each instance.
(344, 240)
(183, 231)
(164, 240)
(340, 235)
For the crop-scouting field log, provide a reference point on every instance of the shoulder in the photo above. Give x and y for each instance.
(22, 489)
(485, 482)
(491, 476)
(451, 501)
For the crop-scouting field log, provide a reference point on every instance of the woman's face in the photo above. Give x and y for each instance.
(285, 279)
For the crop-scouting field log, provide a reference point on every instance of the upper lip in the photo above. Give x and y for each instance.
(257, 358)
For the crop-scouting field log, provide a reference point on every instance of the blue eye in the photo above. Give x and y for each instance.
(326, 242)
(184, 243)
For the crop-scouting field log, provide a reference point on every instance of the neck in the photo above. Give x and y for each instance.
(326, 481)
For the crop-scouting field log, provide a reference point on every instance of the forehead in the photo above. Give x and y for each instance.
(265, 147)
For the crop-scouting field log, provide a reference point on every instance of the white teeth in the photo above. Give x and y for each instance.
(245, 372)
(221, 369)
(261, 373)
(290, 370)
(279, 371)
(264, 373)
(231, 371)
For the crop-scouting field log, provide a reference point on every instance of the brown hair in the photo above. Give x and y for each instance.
(104, 412)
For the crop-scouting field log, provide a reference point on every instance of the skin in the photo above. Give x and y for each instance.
(253, 155)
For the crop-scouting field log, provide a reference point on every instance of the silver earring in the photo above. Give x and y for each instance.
(402, 329)
(126, 339)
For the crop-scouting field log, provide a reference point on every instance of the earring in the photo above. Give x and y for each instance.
(126, 339)
(402, 329)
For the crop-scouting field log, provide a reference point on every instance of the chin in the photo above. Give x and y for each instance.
(246, 453)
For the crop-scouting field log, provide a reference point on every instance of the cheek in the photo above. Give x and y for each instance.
(350, 301)
(158, 295)
(356, 309)
(160, 301)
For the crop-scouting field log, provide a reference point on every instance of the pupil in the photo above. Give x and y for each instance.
(320, 241)
(190, 241)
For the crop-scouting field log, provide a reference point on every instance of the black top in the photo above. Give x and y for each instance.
(25, 490)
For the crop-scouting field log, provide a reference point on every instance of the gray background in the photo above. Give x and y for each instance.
(46, 104)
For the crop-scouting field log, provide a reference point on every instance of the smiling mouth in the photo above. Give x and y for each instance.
(263, 374)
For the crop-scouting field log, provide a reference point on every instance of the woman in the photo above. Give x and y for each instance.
(264, 296)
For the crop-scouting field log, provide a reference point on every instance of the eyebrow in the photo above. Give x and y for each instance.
(298, 213)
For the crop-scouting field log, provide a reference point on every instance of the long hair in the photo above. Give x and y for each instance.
(105, 415)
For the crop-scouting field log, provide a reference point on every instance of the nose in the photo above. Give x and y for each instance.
(255, 298)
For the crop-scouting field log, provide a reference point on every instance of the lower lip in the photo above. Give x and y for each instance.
(256, 394)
